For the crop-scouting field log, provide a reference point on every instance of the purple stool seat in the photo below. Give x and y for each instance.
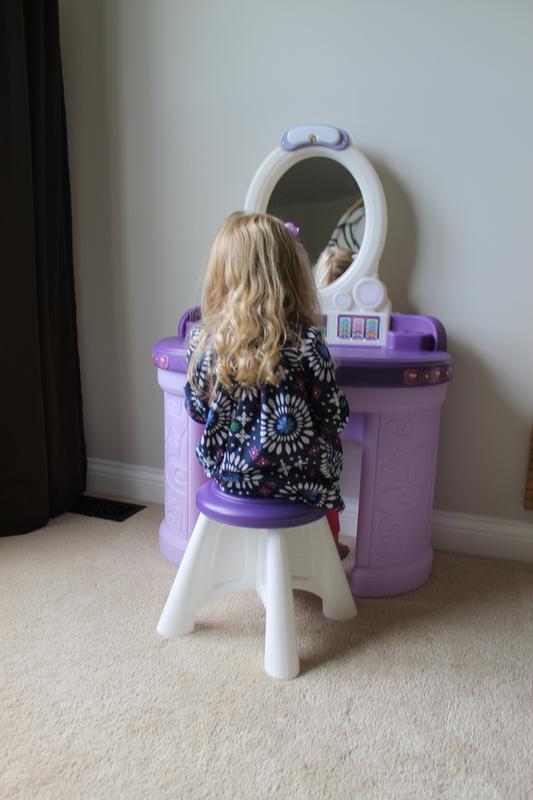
(253, 512)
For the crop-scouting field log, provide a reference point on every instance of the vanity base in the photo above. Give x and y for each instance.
(376, 582)
(397, 430)
(171, 546)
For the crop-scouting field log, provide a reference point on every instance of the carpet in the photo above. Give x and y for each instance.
(426, 695)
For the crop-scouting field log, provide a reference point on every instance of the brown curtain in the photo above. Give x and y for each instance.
(528, 499)
(42, 446)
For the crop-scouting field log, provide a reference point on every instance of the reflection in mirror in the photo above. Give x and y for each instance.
(322, 197)
(343, 246)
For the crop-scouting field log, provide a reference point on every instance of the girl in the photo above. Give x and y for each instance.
(260, 377)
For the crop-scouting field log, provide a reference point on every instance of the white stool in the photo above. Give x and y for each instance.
(270, 546)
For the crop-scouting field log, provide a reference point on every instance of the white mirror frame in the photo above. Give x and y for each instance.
(342, 298)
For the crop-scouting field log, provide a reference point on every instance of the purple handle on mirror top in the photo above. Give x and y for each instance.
(315, 135)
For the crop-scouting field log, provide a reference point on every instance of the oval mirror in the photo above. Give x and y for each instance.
(320, 182)
(324, 199)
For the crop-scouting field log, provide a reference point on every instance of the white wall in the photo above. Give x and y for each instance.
(172, 106)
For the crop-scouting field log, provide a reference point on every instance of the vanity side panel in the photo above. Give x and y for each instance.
(183, 474)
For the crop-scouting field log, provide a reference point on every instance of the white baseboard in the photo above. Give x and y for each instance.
(461, 533)
(483, 536)
(144, 484)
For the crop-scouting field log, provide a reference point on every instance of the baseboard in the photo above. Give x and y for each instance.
(483, 536)
(461, 533)
(144, 484)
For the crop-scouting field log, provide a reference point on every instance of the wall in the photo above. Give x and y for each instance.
(172, 106)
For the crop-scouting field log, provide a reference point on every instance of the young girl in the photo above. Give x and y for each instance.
(260, 377)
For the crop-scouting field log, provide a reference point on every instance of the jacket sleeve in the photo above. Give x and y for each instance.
(197, 393)
(327, 402)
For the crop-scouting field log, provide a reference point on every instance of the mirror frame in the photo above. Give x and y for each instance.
(366, 264)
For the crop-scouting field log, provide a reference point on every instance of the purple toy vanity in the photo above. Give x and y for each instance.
(394, 368)
(395, 395)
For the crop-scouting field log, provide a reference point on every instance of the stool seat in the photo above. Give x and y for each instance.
(253, 512)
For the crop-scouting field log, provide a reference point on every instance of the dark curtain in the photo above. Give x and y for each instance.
(42, 446)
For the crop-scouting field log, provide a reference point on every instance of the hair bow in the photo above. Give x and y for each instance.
(294, 229)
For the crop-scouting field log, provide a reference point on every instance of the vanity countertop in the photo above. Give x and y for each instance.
(356, 365)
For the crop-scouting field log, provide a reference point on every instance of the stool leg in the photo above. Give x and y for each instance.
(190, 589)
(337, 600)
(281, 653)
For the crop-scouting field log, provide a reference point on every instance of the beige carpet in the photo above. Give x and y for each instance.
(421, 696)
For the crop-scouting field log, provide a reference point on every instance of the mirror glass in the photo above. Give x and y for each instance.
(323, 199)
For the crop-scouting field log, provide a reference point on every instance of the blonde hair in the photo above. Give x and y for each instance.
(332, 263)
(257, 292)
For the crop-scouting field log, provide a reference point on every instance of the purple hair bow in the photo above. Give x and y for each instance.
(294, 229)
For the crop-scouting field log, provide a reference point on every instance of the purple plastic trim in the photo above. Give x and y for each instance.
(191, 315)
(354, 430)
(412, 358)
(415, 332)
(356, 366)
(169, 353)
(342, 145)
(371, 582)
(425, 377)
(248, 512)
(410, 340)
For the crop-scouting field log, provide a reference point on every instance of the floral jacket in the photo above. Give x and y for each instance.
(277, 441)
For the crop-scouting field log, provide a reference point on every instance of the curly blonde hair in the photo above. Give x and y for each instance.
(332, 263)
(257, 292)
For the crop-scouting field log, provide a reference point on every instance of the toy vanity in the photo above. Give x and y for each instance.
(393, 368)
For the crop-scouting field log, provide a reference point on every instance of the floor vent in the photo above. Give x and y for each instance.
(114, 510)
